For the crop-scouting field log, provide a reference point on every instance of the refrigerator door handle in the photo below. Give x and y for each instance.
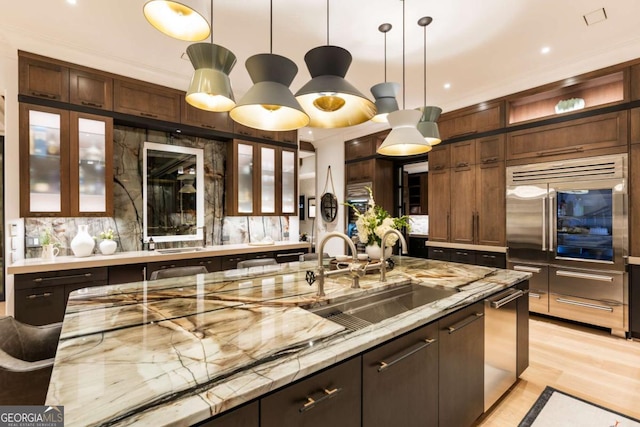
(544, 223)
(551, 220)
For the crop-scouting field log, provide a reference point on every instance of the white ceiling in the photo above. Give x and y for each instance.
(484, 49)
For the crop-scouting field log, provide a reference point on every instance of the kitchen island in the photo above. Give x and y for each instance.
(179, 351)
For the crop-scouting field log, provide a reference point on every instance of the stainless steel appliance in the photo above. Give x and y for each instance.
(567, 224)
(501, 341)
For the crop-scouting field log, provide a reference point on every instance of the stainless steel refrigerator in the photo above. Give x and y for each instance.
(567, 224)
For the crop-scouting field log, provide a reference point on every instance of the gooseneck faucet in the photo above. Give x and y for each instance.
(383, 262)
(356, 272)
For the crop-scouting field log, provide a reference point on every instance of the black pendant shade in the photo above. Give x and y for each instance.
(330, 100)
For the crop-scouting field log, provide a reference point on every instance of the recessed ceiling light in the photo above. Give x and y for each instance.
(447, 85)
(310, 132)
(72, 2)
(545, 50)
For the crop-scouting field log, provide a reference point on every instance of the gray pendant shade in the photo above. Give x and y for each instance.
(428, 126)
(386, 102)
(210, 87)
(269, 103)
(330, 100)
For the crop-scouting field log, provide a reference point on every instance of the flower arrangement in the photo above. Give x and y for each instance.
(375, 221)
(106, 235)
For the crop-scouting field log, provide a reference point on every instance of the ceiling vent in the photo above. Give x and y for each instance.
(594, 17)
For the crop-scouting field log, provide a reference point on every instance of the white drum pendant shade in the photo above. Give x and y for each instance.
(176, 20)
(385, 95)
(269, 104)
(328, 99)
(404, 138)
(210, 87)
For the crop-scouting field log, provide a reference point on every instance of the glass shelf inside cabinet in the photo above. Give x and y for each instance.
(44, 161)
(268, 172)
(92, 160)
(245, 178)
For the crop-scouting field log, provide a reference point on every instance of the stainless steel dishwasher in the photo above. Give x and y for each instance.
(500, 344)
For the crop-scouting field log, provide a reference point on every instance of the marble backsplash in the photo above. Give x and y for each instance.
(127, 222)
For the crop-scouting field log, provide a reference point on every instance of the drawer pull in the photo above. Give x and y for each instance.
(560, 151)
(462, 253)
(506, 300)
(577, 275)
(464, 322)
(326, 394)
(71, 276)
(149, 115)
(91, 104)
(290, 254)
(399, 357)
(438, 251)
(462, 165)
(584, 304)
(489, 256)
(204, 125)
(45, 295)
(526, 268)
(44, 95)
(489, 160)
(534, 295)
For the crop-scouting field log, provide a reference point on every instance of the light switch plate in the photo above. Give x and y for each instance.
(14, 243)
(13, 230)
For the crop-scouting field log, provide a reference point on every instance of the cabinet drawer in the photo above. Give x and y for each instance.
(538, 285)
(330, 398)
(245, 416)
(593, 312)
(442, 254)
(90, 276)
(127, 273)
(212, 264)
(163, 265)
(592, 284)
(243, 130)
(463, 256)
(289, 137)
(491, 259)
(90, 89)
(40, 306)
(145, 100)
(490, 149)
(231, 261)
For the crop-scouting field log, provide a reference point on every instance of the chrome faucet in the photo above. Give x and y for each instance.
(383, 262)
(354, 269)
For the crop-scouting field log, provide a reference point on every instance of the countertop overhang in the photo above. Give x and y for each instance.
(39, 265)
(182, 350)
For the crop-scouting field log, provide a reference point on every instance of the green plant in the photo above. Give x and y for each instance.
(46, 237)
(106, 235)
(375, 221)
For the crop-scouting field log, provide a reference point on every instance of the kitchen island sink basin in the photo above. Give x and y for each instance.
(360, 312)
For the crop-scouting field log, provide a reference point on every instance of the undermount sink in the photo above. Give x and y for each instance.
(178, 250)
(360, 312)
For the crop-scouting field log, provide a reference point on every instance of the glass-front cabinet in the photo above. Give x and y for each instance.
(65, 163)
(263, 180)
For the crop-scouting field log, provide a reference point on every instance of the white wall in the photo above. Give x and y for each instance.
(330, 152)
(9, 86)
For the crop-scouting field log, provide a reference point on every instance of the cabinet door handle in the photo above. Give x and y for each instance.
(448, 227)
(464, 322)
(575, 274)
(91, 104)
(559, 151)
(584, 304)
(311, 402)
(489, 160)
(506, 300)
(149, 115)
(290, 254)
(477, 227)
(438, 167)
(403, 355)
(462, 164)
(526, 268)
(71, 276)
(44, 295)
(44, 95)
(204, 125)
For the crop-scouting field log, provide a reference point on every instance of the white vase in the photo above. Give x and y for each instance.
(375, 253)
(82, 245)
(108, 247)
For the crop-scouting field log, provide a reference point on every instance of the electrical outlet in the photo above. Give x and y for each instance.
(14, 243)
(32, 242)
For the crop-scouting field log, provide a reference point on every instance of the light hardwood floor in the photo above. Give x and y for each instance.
(2, 305)
(587, 363)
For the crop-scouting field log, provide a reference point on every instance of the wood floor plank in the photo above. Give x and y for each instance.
(587, 363)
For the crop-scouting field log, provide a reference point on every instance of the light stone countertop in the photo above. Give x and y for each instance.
(178, 351)
(39, 265)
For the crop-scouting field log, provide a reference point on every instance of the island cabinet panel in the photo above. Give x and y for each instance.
(90, 89)
(400, 381)
(472, 120)
(42, 79)
(602, 134)
(146, 100)
(439, 205)
(190, 115)
(461, 366)
(245, 416)
(522, 330)
(41, 298)
(329, 398)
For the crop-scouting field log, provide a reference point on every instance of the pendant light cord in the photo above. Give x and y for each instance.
(327, 22)
(211, 22)
(270, 26)
(404, 72)
(385, 57)
(424, 68)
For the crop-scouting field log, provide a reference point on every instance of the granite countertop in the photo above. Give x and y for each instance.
(182, 350)
(38, 265)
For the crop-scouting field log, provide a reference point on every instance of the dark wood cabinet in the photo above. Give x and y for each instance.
(522, 330)
(90, 89)
(363, 171)
(190, 115)
(243, 130)
(463, 204)
(418, 247)
(146, 100)
(42, 79)
(359, 148)
(491, 259)
(490, 204)
(461, 366)
(634, 125)
(400, 381)
(441, 254)
(603, 134)
(490, 149)
(469, 121)
(127, 273)
(379, 174)
(288, 137)
(463, 256)
(41, 298)
(230, 262)
(439, 157)
(212, 264)
(289, 255)
(463, 154)
(329, 398)
(163, 265)
(244, 416)
(634, 300)
(439, 205)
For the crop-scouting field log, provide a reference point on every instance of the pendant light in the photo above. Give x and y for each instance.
(176, 20)
(269, 104)
(210, 87)
(404, 138)
(385, 93)
(427, 125)
(329, 100)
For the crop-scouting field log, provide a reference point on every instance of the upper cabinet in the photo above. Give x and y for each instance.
(66, 163)
(91, 89)
(193, 116)
(262, 180)
(469, 121)
(146, 100)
